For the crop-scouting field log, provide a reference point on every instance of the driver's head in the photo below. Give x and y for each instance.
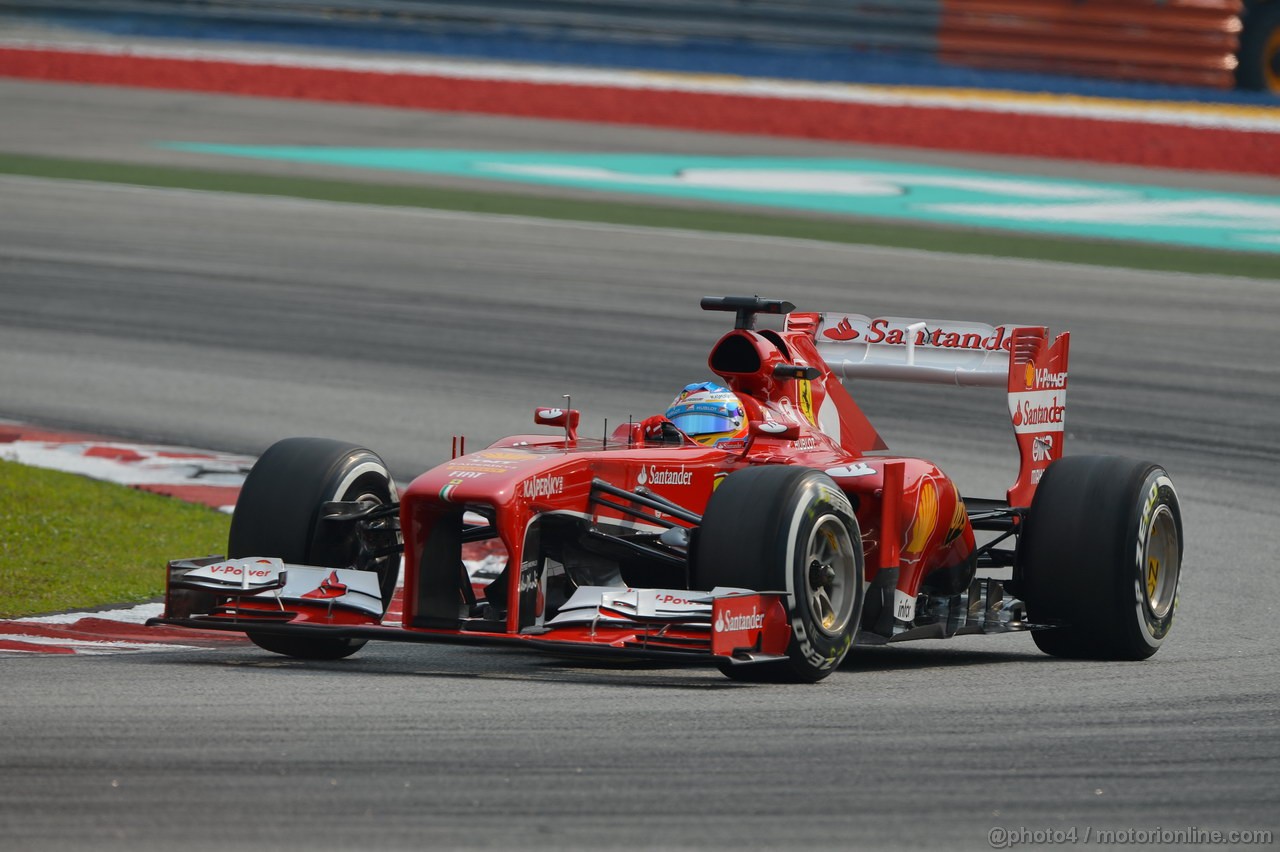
(708, 413)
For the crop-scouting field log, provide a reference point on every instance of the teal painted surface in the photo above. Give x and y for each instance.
(881, 189)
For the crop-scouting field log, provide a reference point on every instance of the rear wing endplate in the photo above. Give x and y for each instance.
(1022, 359)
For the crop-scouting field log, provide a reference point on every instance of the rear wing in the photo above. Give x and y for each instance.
(1022, 359)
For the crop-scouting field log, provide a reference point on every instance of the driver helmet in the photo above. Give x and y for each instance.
(709, 413)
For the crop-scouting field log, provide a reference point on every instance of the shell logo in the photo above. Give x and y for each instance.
(958, 517)
(1030, 375)
(926, 517)
(506, 455)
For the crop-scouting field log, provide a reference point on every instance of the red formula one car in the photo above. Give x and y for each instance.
(761, 527)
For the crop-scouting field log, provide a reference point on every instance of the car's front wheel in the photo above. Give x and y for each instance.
(278, 514)
(787, 529)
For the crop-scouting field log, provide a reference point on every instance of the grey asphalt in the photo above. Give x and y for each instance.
(228, 322)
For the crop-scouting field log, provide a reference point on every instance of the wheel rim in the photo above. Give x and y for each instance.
(831, 572)
(358, 493)
(366, 484)
(1161, 562)
(384, 564)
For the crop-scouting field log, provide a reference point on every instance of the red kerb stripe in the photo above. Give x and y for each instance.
(1131, 143)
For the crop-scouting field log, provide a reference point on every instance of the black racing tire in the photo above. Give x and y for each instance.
(1101, 556)
(278, 514)
(1259, 54)
(787, 529)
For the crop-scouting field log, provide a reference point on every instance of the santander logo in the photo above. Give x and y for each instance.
(844, 330)
(1035, 415)
(1038, 411)
(331, 587)
(896, 332)
(727, 623)
(664, 476)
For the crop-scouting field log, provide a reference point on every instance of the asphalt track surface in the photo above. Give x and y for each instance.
(228, 322)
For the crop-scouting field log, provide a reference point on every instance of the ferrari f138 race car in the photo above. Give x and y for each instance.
(760, 526)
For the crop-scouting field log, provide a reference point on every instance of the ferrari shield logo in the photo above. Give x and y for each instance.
(806, 400)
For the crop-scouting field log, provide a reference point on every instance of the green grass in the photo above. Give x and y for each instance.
(69, 542)
(642, 213)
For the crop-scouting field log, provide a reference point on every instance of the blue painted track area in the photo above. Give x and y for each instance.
(887, 64)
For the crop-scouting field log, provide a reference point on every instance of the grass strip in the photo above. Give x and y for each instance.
(1162, 258)
(70, 542)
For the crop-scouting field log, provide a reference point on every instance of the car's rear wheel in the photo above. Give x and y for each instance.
(1259, 52)
(792, 530)
(278, 514)
(1102, 558)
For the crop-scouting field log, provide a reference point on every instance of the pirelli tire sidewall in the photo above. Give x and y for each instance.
(756, 533)
(815, 499)
(1157, 506)
(1100, 558)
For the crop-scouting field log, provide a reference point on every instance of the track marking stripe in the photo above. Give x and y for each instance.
(1233, 116)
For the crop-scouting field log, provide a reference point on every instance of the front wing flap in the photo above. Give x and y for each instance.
(268, 589)
(738, 626)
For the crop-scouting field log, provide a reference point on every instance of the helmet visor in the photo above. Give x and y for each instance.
(699, 423)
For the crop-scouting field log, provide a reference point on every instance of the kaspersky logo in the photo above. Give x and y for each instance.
(729, 623)
(543, 486)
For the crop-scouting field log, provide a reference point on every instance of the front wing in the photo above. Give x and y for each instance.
(267, 596)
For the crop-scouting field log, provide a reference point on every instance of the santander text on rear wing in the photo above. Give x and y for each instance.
(1023, 359)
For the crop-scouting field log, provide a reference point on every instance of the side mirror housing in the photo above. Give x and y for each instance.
(774, 429)
(564, 418)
